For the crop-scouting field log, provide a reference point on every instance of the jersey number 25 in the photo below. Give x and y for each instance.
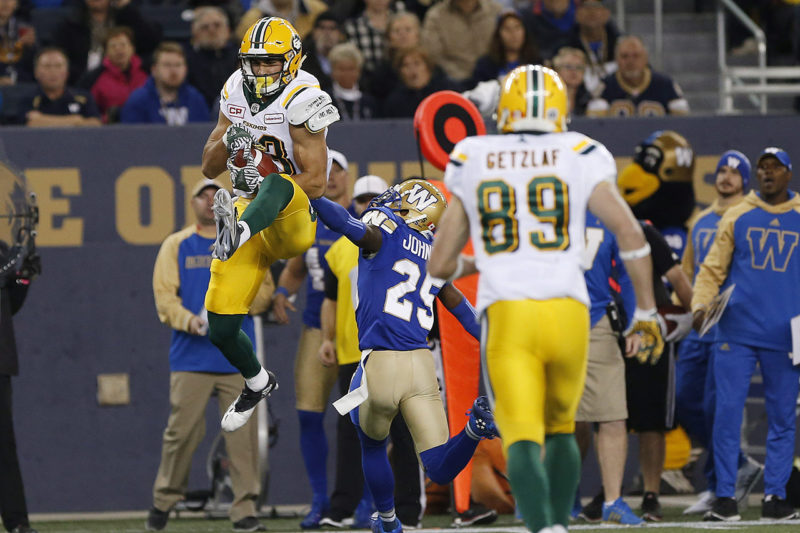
(396, 303)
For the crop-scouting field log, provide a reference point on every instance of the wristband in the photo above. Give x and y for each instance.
(282, 290)
(644, 314)
(629, 255)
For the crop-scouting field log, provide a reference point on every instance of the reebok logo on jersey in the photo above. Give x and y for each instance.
(235, 111)
(273, 118)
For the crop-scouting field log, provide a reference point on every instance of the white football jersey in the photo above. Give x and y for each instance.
(268, 121)
(525, 196)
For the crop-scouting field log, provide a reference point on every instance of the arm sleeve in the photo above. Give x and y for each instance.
(663, 256)
(166, 284)
(466, 315)
(715, 266)
(687, 261)
(331, 285)
(339, 219)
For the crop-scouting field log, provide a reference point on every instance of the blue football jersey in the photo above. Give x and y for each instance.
(604, 266)
(394, 310)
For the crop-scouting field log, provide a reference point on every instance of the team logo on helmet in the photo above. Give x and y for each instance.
(532, 98)
(418, 202)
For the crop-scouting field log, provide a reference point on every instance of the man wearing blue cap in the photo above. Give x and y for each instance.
(755, 249)
(695, 391)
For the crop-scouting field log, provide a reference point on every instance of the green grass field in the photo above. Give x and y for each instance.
(674, 522)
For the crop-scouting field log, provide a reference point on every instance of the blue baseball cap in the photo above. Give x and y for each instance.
(736, 159)
(777, 153)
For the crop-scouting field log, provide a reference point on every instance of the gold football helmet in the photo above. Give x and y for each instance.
(418, 202)
(270, 37)
(532, 98)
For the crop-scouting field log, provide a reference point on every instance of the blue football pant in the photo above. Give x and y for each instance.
(734, 365)
(695, 399)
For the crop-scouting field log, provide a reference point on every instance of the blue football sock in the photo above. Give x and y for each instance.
(377, 472)
(443, 463)
(314, 447)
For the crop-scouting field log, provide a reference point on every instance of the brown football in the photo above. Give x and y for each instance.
(670, 309)
(262, 160)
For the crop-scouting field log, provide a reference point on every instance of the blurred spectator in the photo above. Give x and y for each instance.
(82, 34)
(301, 13)
(368, 31)
(17, 42)
(570, 63)
(595, 34)
(458, 32)
(551, 23)
(211, 55)
(326, 34)
(511, 46)
(402, 32)
(635, 89)
(418, 79)
(166, 98)
(352, 103)
(54, 104)
(121, 72)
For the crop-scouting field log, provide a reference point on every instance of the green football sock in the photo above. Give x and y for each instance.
(273, 196)
(562, 460)
(225, 332)
(529, 483)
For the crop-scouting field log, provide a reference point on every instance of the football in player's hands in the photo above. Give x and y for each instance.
(666, 318)
(261, 160)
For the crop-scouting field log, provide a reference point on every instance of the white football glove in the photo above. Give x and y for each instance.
(237, 138)
(246, 178)
(683, 326)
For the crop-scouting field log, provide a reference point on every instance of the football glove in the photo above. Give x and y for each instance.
(646, 324)
(237, 138)
(246, 178)
(683, 326)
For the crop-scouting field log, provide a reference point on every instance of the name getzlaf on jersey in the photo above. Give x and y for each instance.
(268, 120)
(526, 196)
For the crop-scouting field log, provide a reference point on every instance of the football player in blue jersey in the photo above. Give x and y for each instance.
(394, 312)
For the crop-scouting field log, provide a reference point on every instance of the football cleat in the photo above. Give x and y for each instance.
(774, 508)
(723, 510)
(618, 512)
(228, 230)
(240, 411)
(312, 519)
(379, 526)
(481, 420)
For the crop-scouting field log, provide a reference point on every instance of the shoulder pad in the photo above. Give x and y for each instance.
(316, 114)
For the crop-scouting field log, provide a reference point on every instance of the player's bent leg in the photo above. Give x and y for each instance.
(294, 229)
(254, 215)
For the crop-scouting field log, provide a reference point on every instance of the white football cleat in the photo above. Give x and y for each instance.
(240, 411)
(228, 230)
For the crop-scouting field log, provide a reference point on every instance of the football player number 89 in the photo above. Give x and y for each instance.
(548, 201)
(397, 305)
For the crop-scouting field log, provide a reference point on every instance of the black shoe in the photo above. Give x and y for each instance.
(242, 408)
(651, 509)
(592, 512)
(476, 515)
(774, 508)
(723, 510)
(23, 529)
(249, 523)
(156, 520)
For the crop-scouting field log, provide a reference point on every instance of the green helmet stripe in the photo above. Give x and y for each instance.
(535, 111)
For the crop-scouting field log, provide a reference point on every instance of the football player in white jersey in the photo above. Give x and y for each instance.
(522, 196)
(271, 104)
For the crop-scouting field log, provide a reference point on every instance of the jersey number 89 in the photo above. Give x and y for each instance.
(548, 201)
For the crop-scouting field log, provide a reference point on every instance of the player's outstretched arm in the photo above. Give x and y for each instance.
(311, 155)
(452, 235)
(337, 218)
(215, 154)
(457, 303)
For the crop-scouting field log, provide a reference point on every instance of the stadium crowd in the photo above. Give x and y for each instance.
(397, 53)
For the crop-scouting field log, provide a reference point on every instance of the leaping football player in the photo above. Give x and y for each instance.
(272, 105)
(394, 313)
